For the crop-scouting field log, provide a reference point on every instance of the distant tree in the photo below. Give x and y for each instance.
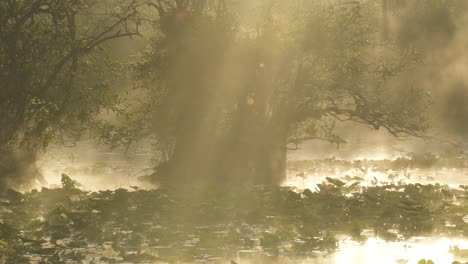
(54, 76)
(223, 101)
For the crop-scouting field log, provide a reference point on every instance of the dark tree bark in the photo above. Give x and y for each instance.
(18, 168)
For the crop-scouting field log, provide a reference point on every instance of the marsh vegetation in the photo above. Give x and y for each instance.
(164, 131)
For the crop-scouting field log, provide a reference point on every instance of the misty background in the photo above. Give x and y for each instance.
(443, 43)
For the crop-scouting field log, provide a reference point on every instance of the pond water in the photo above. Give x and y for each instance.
(96, 167)
(439, 249)
(374, 250)
(100, 168)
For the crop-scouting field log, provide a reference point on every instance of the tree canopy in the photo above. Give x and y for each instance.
(54, 78)
(51, 77)
(222, 95)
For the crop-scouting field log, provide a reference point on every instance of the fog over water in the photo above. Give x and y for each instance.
(96, 167)
(99, 167)
(228, 94)
(442, 74)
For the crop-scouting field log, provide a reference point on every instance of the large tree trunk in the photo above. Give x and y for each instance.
(275, 163)
(244, 146)
(18, 170)
(251, 152)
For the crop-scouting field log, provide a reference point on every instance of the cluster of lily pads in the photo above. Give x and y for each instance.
(409, 161)
(208, 224)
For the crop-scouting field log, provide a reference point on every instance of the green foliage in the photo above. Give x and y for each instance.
(67, 182)
(409, 162)
(424, 261)
(282, 222)
(250, 93)
(52, 80)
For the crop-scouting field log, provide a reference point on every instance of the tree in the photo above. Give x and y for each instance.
(226, 100)
(52, 79)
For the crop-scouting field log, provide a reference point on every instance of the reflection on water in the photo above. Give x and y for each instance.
(375, 250)
(104, 169)
(438, 249)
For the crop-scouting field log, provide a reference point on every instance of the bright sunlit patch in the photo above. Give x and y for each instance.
(96, 169)
(376, 250)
